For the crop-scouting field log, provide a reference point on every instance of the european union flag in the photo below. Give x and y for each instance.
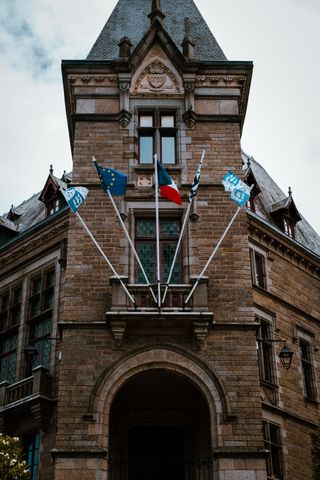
(112, 180)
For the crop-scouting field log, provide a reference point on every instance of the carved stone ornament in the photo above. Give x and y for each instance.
(103, 80)
(157, 78)
(124, 85)
(221, 81)
(144, 180)
(189, 86)
(124, 118)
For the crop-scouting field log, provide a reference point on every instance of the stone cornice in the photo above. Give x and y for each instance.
(22, 246)
(282, 245)
(291, 415)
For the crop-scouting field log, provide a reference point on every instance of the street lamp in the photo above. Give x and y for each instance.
(285, 354)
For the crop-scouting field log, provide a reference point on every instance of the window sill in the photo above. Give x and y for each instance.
(268, 384)
(311, 401)
(149, 167)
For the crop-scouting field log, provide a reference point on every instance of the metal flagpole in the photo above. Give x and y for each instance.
(213, 254)
(106, 258)
(131, 243)
(177, 251)
(184, 224)
(157, 228)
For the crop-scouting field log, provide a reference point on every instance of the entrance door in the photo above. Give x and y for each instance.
(155, 453)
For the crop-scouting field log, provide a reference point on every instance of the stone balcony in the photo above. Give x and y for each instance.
(29, 398)
(147, 318)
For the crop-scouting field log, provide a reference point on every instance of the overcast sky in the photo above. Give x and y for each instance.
(281, 37)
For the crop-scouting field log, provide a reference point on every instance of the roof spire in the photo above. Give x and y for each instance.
(156, 13)
(290, 192)
(51, 170)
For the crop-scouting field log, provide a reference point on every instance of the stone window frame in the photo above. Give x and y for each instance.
(22, 277)
(143, 210)
(271, 379)
(174, 106)
(259, 275)
(275, 470)
(307, 365)
(157, 132)
(31, 447)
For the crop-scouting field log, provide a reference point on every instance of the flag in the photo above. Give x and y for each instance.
(240, 192)
(112, 180)
(167, 187)
(75, 196)
(196, 181)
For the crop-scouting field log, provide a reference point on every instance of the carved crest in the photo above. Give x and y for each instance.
(157, 78)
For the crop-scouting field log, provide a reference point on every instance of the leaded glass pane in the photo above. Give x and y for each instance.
(170, 228)
(146, 228)
(49, 279)
(12, 367)
(147, 255)
(168, 251)
(3, 369)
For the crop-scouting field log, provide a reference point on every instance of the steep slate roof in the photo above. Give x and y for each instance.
(130, 18)
(271, 195)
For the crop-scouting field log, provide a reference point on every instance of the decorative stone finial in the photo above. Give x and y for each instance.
(156, 13)
(248, 163)
(188, 47)
(290, 192)
(51, 170)
(124, 47)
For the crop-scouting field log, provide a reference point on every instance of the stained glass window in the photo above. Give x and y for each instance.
(8, 358)
(31, 449)
(146, 248)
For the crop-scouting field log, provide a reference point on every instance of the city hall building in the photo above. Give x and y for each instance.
(100, 388)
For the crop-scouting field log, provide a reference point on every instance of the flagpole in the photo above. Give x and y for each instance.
(182, 232)
(213, 254)
(131, 243)
(106, 258)
(157, 228)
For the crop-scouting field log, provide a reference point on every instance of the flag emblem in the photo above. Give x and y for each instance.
(196, 180)
(240, 192)
(75, 196)
(111, 180)
(167, 186)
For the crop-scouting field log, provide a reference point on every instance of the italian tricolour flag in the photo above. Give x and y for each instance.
(167, 187)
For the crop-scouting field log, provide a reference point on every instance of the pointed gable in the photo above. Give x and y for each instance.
(130, 18)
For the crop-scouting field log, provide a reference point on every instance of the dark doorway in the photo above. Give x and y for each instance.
(156, 452)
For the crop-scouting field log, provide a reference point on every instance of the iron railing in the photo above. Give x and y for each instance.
(159, 469)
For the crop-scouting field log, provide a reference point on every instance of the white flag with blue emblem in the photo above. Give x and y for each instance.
(240, 192)
(75, 196)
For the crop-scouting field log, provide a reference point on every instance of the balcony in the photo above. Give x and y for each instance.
(173, 317)
(31, 396)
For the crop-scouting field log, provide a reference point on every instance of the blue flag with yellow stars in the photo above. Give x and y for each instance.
(112, 180)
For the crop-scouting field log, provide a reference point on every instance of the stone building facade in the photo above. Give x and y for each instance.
(98, 389)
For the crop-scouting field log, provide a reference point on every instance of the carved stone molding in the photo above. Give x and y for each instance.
(190, 118)
(118, 329)
(220, 80)
(157, 78)
(144, 180)
(81, 80)
(189, 86)
(124, 118)
(38, 241)
(201, 332)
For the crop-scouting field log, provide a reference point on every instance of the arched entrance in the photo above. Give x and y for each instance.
(159, 429)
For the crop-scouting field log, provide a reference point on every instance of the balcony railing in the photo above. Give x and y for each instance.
(175, 298)
(160, 469)
(38, 383)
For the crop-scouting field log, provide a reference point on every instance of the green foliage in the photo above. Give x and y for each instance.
(315, 438)
(12, 465)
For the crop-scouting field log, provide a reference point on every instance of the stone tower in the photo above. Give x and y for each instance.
(178, 385)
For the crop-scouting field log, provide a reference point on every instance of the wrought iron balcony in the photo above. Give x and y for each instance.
(160, 469)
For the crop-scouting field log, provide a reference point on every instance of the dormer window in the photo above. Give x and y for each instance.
(250, 180)
(286, 215)
(288, 226)
(51, 195)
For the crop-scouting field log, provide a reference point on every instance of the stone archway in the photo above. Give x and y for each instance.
(168, 359)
